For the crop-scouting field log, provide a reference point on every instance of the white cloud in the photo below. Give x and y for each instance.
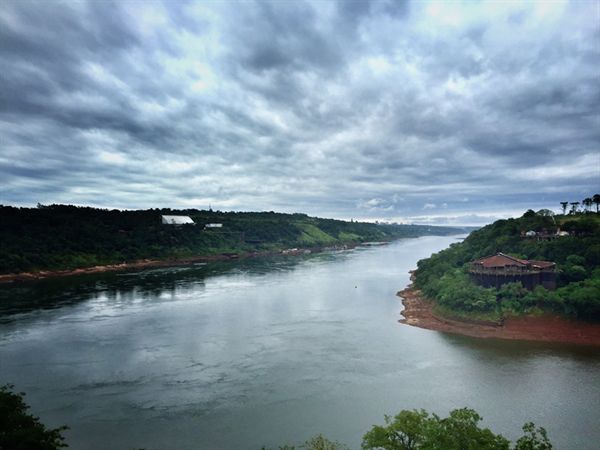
(112, 157)
(313, 107)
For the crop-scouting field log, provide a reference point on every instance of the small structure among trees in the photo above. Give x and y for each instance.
(176, 220)
(499, 269)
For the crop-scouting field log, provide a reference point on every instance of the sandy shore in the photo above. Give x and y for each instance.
(548, 328)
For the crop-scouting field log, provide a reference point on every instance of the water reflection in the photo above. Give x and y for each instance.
(271, 351)
(515, 349)
(19, 298)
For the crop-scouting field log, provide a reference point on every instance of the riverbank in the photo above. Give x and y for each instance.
(418, 312)
(157, 263)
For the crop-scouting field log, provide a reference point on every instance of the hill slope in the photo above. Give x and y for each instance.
(60, 237)
(443, 276)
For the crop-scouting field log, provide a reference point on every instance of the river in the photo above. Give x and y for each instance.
(272, 351)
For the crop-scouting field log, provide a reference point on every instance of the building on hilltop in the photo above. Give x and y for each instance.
(176, 220)
(213, 225)
(544, 234)
(494, 271)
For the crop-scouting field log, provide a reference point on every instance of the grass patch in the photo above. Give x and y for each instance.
(348, 237)
(311, 235)
(478, 316)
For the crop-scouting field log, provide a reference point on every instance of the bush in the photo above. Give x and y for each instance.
(20, 430)
(414, 430)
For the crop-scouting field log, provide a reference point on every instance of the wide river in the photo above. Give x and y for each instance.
(269, 352)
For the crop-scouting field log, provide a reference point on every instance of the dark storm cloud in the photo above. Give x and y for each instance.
(384, 110)
(283, 36)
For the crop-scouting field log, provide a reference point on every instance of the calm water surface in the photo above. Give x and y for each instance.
(272, 351)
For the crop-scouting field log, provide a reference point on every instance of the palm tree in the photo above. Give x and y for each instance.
(587, 203)
(574, 206)
(596, 200)
(564, 207)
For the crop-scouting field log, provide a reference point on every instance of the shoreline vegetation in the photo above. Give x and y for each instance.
(171, 262)
(21, 430)
(444, 295)
(447, 294)
(62, 240)
(422, 312)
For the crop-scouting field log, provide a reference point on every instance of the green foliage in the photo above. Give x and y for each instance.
(534, 439)
(57, 237)
(414, 430)
(322, 443)
(20, 430)
(408, 430)
(457, 291)
(311, 235)
(582, 299)
(318, 442)
(348, 237)
(443, 276)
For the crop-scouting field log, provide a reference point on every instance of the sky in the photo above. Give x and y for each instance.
(413, 112)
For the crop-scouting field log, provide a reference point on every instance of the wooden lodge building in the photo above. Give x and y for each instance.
(494, 271)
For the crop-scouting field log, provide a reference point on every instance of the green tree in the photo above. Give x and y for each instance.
(413, 430)
(587, 203)
(564, 207)
(20, 430)
(419, 430)
(408, 430)
(534, 439)
(596, 200)
(574, 207)
(320, 442)
(460, 431)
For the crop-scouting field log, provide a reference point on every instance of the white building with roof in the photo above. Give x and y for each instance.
(177, 220)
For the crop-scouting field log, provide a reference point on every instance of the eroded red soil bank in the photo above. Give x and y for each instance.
(547, 328)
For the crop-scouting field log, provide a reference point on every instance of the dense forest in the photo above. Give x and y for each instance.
(58, 237)
(444, 276)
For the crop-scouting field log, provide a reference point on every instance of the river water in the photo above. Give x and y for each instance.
(269, 352)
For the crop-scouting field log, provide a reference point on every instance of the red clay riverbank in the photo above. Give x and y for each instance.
(548, 328)
(136, 265)
(154, 263)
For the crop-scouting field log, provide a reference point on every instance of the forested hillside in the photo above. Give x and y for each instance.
(443, 277)
(66, 237)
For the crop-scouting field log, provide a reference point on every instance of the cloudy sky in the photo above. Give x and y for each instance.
(440, 112)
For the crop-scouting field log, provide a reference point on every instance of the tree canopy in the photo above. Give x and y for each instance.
(56, 237)
(20, 430)
(444, 277)
(420, 430)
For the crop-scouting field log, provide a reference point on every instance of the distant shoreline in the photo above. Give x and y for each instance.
(547, 328)
(155, 263)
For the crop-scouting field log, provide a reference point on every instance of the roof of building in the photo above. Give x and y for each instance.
(176, 220)
(502, 260)
(542, 264)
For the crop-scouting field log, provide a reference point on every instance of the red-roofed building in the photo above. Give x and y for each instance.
(499, 269)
